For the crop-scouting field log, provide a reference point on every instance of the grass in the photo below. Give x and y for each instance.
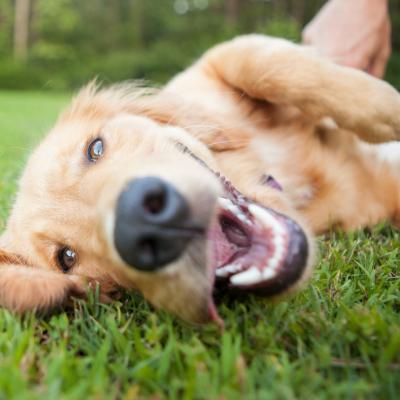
(338, 338)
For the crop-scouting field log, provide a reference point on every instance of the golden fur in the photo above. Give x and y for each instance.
(248, 107)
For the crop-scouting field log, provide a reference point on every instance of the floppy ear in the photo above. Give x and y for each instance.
(24, 288)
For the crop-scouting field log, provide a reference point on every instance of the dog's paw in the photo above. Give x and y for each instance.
(378, 112)
(24, 289)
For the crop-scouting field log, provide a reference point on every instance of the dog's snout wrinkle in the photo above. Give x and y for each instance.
(153, 224)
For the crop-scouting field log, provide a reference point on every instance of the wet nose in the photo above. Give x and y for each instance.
(152, 226)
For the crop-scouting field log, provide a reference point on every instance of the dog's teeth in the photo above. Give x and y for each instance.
(224, 203)
(243, 218)
(221, 273)
(268, 220)
(273, 263)
(268, 274)
(228, 205)
(250, 277)
(279, 242)
(253, 275)
(234, 209)
(227, 270)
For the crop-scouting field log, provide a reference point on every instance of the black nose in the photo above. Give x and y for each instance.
(152, 226)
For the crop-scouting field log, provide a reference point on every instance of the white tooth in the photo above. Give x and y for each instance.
(234, 209)
(227, 204)
(224, 203)
(268, 274)
(279, 242)
(267, 218)
(232, 268)
(221, 273)
(273, 263)
(226, 270)
(243, 218)
(250, 277)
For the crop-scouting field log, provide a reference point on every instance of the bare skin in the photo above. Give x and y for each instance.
(353, 33)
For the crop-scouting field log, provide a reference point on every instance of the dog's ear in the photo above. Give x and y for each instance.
(26, 288)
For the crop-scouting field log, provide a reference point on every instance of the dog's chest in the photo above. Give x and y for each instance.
(281, 158)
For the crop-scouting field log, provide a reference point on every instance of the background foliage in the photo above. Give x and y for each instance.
(71, 41)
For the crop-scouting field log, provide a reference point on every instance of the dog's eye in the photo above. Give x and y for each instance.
(66, 258)
(95, 150)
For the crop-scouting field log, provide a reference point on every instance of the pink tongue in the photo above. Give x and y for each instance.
(223, 250)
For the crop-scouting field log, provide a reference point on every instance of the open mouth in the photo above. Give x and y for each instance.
(253, 248)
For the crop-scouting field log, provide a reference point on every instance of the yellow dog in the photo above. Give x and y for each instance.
(221, 178)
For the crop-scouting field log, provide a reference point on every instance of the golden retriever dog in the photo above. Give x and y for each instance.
(220, 179)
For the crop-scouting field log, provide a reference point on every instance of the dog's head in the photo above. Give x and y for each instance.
(119, 199)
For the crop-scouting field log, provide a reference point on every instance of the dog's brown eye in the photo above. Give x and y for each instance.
(66, 258)
(95, 150)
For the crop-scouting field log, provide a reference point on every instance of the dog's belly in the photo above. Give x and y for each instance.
(282, 160)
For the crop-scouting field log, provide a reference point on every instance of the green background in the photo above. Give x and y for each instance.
(71, 41)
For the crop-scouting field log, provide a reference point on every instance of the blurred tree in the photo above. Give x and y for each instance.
(6, 26)
(21, 29)
(232, 11)
(67, 42)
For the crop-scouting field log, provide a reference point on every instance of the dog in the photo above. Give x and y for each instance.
(220, 179)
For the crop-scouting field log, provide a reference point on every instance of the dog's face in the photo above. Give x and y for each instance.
(119, 199)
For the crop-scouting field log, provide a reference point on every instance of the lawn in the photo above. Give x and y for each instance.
(338, 338)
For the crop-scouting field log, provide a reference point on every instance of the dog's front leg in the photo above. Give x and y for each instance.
(281, 72)
(24, 288)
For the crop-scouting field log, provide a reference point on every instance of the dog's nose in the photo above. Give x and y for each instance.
(152, 226)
